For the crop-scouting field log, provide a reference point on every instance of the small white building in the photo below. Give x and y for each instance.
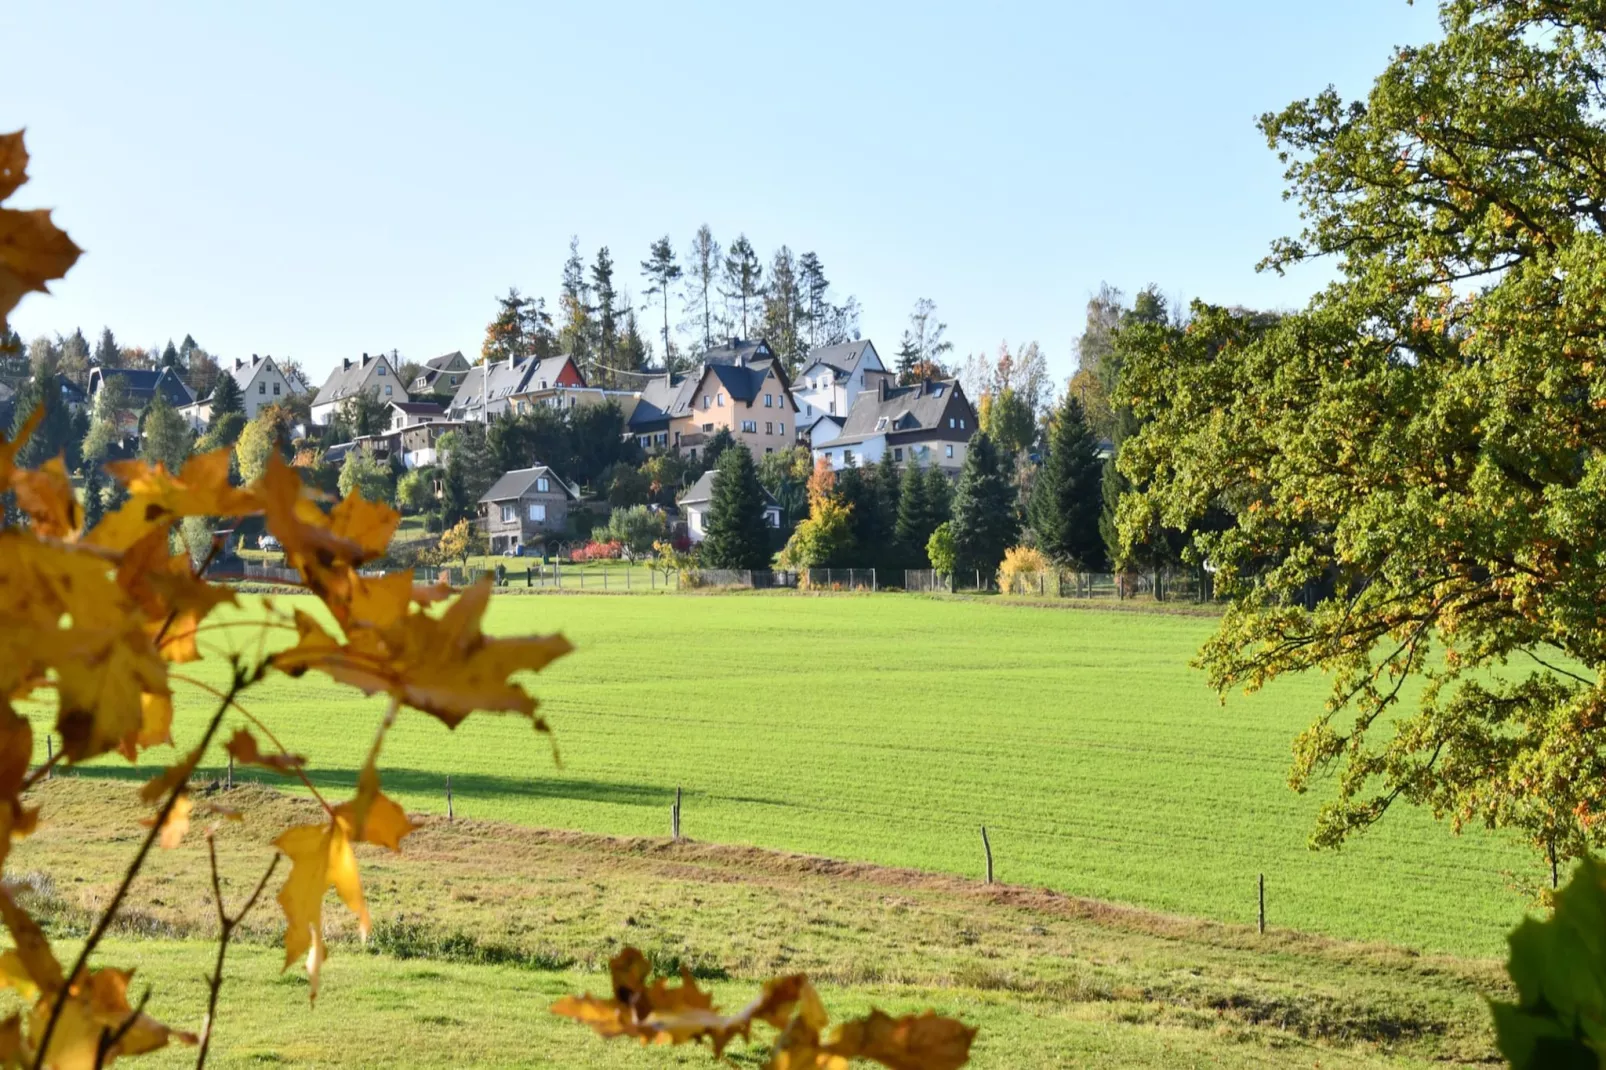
(373, 374)
(834, 377)
(405, 414)
(694, 505)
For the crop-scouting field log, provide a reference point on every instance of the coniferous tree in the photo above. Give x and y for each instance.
(171, 359)
(107, 352)
(73, 361)
(185, 348)
(984, 522)
(606, 308)
(574, 308)
(661, 271)
(939, 497)
(704, 260)
(53, 435)
(94, 491)
(455, 503)
(813, 288)
(784, 311)
(1067, 497)
(737, 536)
(914, 524)
(883, 553)
(744, 280)
(226, 398)
(715, 447)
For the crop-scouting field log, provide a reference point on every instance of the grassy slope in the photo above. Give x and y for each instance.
(479, 925)
(888, 728)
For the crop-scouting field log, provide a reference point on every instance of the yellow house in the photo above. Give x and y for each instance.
(750, 397)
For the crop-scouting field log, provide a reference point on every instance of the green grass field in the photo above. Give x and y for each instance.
(888, 728)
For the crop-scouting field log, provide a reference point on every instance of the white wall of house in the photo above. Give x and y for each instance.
(863, 453)
(818, 392)
(380, 380)
(267, 387)
(942, 453)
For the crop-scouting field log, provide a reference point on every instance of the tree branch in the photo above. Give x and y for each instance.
(226, 927)
(138, 862)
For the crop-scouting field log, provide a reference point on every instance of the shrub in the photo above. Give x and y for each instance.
(1020, 561)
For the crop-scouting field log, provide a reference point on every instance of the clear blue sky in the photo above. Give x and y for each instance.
(316, 180)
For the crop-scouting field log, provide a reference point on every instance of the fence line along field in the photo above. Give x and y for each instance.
(889, 728)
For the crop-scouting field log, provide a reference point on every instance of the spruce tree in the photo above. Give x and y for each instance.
(171, 359)
(914, 527)
(574, 309)
(744, 281)
(737, 536)
(607, 321)
(939, 497)
(94, 503)
(107, 353)
(1067, 497)
(661, 271)
(984, 522)
(455, 504)
(226, 398)
(53, 434)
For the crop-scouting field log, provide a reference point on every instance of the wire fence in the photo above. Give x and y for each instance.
(1161, 585)
(840, 579)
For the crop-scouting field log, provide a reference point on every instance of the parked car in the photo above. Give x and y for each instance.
(268, 542)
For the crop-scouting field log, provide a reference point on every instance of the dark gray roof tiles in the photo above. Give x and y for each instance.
(900, 409)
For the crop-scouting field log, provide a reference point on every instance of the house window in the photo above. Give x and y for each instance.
(708, 427)
(769, 427)
(750, 427)
(961, 423)
(543, 384)
(719, 398)
(275, 389)
(387, 390)
(780, 429)
(950, 421)
(542, 485)
(509, 514)
(808, 410)
(769, 449)
(262, 388)
(897, 453)
(769, 401)
(454, 380)
(847, 456)
(881, 424)
(950, 450)
(706, 401)
(833, 407)
(936, 391)
(381, 369)
(537, 512)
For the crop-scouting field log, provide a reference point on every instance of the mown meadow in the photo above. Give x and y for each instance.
(888, 728)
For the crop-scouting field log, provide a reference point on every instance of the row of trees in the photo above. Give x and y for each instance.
(694, 299)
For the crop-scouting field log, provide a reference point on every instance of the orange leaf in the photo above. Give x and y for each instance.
(320, 858)
(33, 251)
(157, 498)
(243, 746)
(46, 495)
(13, 163)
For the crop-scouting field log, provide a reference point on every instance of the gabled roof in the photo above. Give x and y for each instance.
(453, 363)
(547, 371)
(703, 491)
(244, 370)
(506, 378)
(738, 351)
(824, 417)
(419, 408)
(348, 376)
(516, 483)
(840, 358)
(901, 409)
(658, 396)
(142, 384)
(454, 359)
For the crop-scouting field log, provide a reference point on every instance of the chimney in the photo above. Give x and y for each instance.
(882, 384)
(345, 363)
(365, 359)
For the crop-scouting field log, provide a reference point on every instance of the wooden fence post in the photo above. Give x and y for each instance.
(987, 847)
(674, 817)
(50, 756)
(1262, 904)
(230, 782)
(449, 814)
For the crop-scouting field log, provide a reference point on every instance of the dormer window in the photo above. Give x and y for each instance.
(881, 424)
(936, 391)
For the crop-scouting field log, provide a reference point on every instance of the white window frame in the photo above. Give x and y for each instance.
(542, 485)
(510, 513)
(950, 450)
(769, 401)
(538, 512)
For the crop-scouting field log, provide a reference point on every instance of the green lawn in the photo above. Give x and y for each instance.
(888, 728)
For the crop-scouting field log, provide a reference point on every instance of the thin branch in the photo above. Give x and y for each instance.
(110, 1039)
(1557, 669)
(110, 913)
(43, 771)
(226, 927)
(264, 729)
(200, 571)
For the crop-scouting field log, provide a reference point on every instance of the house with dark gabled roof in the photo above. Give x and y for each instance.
(375, 375)
(834, 378)
(441, 376)
(525, 507)
(488, 389)
(743, 389)
(140, 387)
(928, 423)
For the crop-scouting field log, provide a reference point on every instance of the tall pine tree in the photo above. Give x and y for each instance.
(606, 309)
(744, 281)
(984, 522)
(574, 309)
(661, 271)
(703, 263)
(737, 536)
(1067, 496)
(107, 352)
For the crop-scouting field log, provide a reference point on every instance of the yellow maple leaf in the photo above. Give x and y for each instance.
(98, 1006)
(13, 163)
(912, 1042)
(157, 498)
(177, 823)
(46, 495)
(33, 251)
(102, 678)
(33, 958)
(321, 858)
(323, 546)
(9, 447)
(445, 665)
(243, 746)
(173, 600)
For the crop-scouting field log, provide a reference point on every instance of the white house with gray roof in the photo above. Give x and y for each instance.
(929, 423)
(262, 383)
(374, 374)
(835, 377)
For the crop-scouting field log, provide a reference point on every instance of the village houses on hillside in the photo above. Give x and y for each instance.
(375, 374)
